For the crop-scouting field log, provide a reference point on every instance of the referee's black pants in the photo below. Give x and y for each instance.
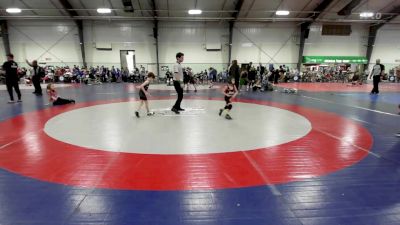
(179, 92)
(376, 80)
(36, 84)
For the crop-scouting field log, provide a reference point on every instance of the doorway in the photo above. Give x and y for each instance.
(128, 60)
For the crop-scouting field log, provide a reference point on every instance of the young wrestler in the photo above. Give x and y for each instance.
(190, 80)
(55, 99)
(143, 94)
(230, 92)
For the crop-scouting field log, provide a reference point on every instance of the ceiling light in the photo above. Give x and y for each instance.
(195, 12)
(366, 14)
(104, 10)
(13, 10)
(282, 12)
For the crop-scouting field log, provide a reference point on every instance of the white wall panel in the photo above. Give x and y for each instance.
(52, 42)
(191, 39)
(387, 46)
(136, 36)
(265, 43)
(353, 45)
(2, 52)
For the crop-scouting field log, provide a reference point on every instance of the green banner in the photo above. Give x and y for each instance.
(335, 59)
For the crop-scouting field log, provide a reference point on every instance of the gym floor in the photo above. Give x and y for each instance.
(325, 155)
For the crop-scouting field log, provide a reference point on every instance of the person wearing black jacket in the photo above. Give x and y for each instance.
(275, 75)
(252, 77)
(249, 67)
(234, 73)
(11, 69)
(261, 69)
(38, 73)
(273, 78)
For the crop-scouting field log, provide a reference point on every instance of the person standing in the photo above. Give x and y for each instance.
(377, 72)
(234, 73)
(398, 133)
(144, 94)
(178, 76)
(249, 67)
(169, 77)
(192, 80)
(185, 79)
(252, 77)
(230, 92)
(262, 70)
(11, 68)
(36, 77)
(142, 73)
(282, 72)
(212, 76)
(243, 79)
(276, 76)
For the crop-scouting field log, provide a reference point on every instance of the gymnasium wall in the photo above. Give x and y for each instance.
(131, 35)
(353, 45)
(2, 52)
(264, 43)
(387, 46)
(57, 42)
(192, 39)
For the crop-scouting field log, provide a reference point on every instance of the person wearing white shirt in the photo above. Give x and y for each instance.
(377, 71)
(178, 76)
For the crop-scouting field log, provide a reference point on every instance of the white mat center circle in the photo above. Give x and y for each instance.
(199, 130)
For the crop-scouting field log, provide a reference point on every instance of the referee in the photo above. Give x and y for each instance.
(178, 76)
(377, 71)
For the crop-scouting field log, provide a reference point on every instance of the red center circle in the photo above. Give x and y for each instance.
(333, 143)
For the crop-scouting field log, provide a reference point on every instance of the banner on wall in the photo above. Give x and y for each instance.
(335, 59)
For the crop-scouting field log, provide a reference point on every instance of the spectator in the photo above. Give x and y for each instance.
(234, 73)
(12, 78)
